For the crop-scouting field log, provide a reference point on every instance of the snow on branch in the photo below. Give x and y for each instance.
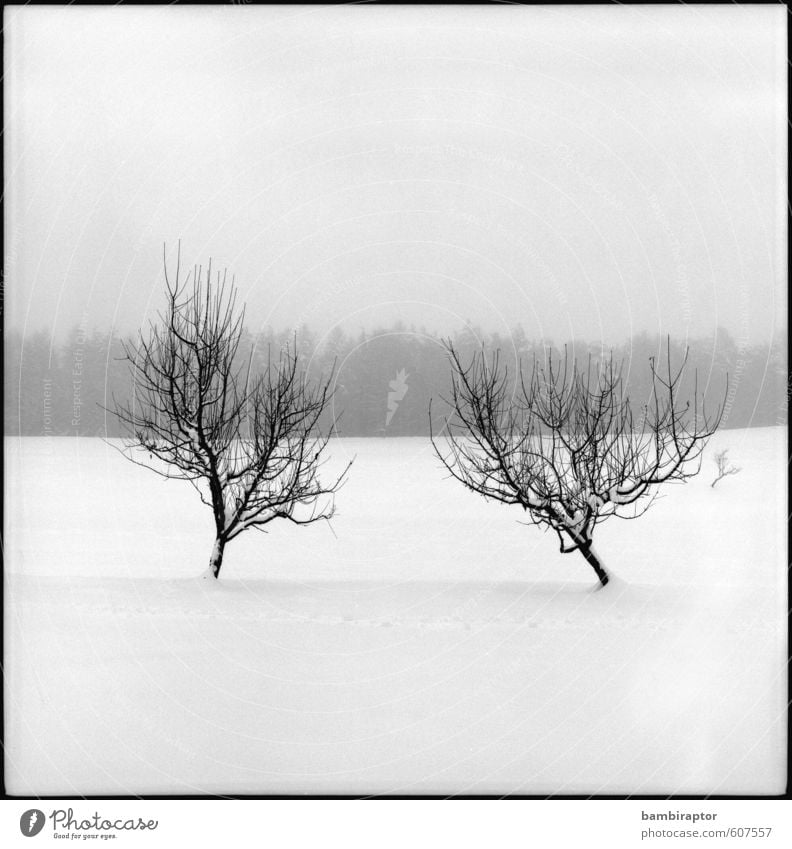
(563, 440)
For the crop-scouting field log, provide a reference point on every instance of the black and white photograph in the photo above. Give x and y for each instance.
(395, 402)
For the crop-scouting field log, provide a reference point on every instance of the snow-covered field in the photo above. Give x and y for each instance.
(426, 643)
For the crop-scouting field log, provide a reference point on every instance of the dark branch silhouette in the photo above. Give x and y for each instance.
(566, 444)
(249, 443)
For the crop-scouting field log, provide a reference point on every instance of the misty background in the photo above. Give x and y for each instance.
(382, 381)
(379, 177)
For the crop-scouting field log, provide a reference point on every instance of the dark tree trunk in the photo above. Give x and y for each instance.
(587, 551)
(216, 560)
(591, 558)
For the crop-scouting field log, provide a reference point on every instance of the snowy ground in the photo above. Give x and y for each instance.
(427, 643)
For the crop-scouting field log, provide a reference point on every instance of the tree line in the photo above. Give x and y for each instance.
(571, 436)
(382, 380)
(247, 424)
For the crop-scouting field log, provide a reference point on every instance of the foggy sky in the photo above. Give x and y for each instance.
(586, 172)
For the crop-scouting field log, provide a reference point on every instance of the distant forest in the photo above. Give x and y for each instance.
(384, 379)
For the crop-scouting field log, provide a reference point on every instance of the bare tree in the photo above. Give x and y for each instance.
(721, 459)
(566, 444)
(249, 444)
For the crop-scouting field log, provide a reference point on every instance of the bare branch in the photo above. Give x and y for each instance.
(249, 443)
(721, 459)
(565, 442)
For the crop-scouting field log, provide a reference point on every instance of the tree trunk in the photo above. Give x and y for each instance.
(592, 560)
(216, 560)
(588, 552)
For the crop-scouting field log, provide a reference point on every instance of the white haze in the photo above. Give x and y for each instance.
(588, 172)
